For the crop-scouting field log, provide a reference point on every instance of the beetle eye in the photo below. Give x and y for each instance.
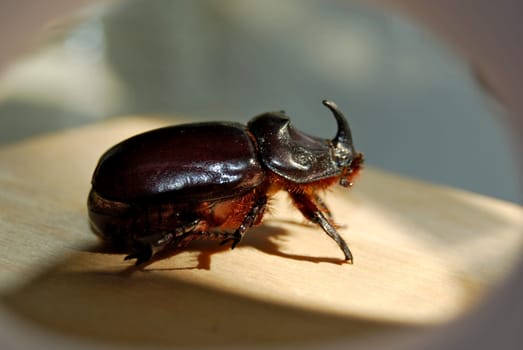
(343, 156)
(351, 169)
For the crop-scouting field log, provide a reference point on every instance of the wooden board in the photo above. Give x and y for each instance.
(424, 254)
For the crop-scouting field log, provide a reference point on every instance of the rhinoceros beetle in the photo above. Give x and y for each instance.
(169, 186)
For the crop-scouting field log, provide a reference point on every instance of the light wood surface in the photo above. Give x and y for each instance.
(424, 254)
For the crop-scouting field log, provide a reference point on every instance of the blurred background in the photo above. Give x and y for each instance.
(415, 107)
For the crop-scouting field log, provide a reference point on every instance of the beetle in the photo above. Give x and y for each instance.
(212, 180)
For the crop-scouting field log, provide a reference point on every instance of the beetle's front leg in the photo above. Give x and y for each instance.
(323, 207)
(325, 210)
(313, 211)
(250, 219)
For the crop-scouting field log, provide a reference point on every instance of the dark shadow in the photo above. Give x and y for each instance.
(264, 238)
(156, 309)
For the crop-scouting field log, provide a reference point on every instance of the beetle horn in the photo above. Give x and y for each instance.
(344, 137)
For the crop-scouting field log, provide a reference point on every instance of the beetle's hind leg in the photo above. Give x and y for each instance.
(144, 248)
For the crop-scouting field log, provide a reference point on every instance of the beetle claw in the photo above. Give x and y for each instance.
(131, 256)
(141, 256)
(235, 238)
(235, 241)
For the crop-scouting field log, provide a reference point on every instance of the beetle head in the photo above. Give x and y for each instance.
(302, 158)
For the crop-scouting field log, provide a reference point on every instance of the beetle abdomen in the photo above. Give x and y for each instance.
(124, 224)
(204, 160)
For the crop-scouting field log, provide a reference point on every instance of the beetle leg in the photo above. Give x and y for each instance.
(323, 207)
(325, 210)
(146, 247)
(250, 219)
(313, 211)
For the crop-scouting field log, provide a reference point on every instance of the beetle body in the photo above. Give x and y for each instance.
(169, 186)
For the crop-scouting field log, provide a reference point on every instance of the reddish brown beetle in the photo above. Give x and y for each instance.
(168, 186)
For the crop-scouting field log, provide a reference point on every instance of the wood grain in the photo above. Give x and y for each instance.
(424, 254)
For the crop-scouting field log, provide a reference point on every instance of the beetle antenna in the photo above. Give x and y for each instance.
(343, 136)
